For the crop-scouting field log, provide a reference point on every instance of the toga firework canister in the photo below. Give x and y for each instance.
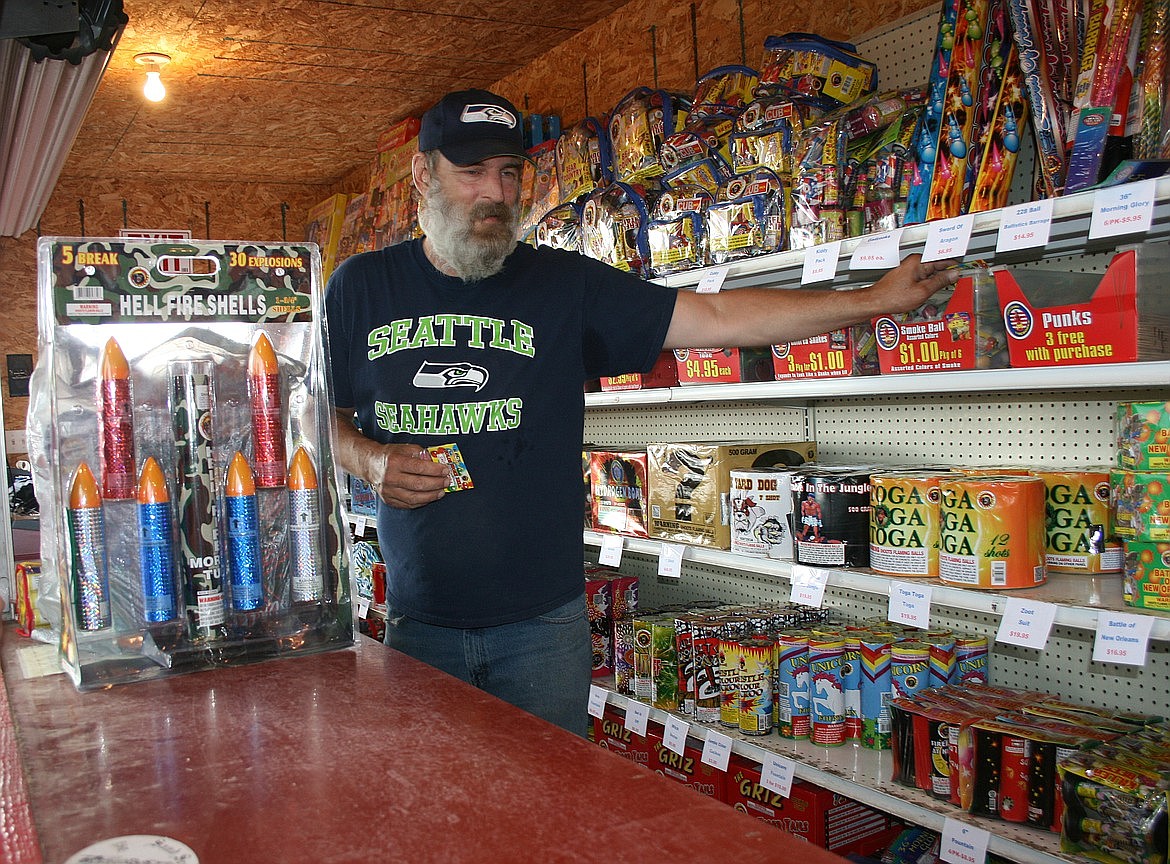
(199, 564)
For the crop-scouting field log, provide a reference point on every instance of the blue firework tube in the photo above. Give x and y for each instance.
(87, 539)
(156, 545)
(243, 529)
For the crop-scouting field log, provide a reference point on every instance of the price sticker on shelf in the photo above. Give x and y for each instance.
(820, 263)
(776, 773)
(597, 697)
(909, 604)
(877, 251)
(948, 238)
(1124, 209)
(963, 843)
(712, 280)
(808, 585)
(1122, 638)
(637, 717)
(674, 736)
(1026, 622)
(716, 750)
(1024, 226)
(611, 550)
(670, 560)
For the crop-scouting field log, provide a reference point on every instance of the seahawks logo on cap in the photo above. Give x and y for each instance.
(485, 113)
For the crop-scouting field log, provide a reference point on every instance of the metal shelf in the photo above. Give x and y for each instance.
(1079, 599)
(1102, 376)
(867, 776)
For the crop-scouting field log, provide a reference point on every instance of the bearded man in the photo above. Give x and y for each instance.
(467, 337)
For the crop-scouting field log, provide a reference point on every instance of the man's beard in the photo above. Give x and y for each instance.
(473, 250)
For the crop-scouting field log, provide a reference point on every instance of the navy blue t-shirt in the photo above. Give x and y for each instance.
(498, 367)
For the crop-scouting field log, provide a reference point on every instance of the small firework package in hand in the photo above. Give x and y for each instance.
(613, 226)
(748, 219)
(677, 232)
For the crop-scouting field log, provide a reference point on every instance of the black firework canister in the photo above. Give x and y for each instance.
(830, 513)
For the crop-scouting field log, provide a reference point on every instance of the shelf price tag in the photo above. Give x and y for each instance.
(597, 697)
(1026, 622)
(1124, 209)
(611, 550)
(820, 263)
(948, 238)
(670, 560)
(877, 251)
(716, 750)
(776, 773)
(1122, 638)
(637, 717)
(963, 843)
(808, 585)
(909, 604)
(363, 606)
(712, 280)
(1024, 226)
(674, 736)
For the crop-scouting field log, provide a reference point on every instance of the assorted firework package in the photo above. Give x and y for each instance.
(611, 601)
(189, 506)
(1141, 501)
(1096, 775)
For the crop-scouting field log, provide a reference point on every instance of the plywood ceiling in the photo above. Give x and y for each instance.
(297, 91)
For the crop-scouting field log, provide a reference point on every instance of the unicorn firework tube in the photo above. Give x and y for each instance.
(267, 426)
(117, 413)
(199, 565)
(243, 540)
(308, 584)
(156, 546)
(91, 587)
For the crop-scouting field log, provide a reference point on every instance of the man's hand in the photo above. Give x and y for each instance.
(402, 475)
(911, 284)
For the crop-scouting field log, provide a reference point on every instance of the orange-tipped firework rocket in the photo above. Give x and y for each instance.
(87, 537)
(304, 523)
(117, 413)
(156, 546)
(267, 425)
(243, 541)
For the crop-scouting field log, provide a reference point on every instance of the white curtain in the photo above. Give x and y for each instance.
(42, 106)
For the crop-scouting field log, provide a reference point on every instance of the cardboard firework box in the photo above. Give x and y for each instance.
(664, 373)
(610, 733)
(690, 484)
(1057, 318)
(817, 815)
(190, 508)
(617, 490)
(837, 354)
(687, 767)
(958, 328)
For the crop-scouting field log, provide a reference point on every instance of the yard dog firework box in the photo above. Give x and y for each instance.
(190, 508)
(690, 485)
(1057, 318)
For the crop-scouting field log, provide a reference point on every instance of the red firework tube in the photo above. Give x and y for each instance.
(117, 443)
(267, 428)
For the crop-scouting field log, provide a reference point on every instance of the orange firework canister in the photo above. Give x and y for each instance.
(904, 523)
(729, 670)
(1078, 522)
(992, 532)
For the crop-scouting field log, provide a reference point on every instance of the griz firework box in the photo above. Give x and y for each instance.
(184, 461)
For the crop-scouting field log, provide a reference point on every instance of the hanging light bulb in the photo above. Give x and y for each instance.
(153, 89)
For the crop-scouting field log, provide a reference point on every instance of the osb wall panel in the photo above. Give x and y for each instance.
(249, 211)
(589, 73)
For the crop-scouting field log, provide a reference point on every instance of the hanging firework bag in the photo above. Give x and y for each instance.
(583, 159)
(819, 71)
(748, 219)
(677, 233)
(559, 228)
(613, 227)
(190, 508)
(766, 133)
(818, 209)
(695, 156)
(638, 125)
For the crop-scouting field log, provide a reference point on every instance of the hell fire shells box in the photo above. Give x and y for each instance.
(182, 437)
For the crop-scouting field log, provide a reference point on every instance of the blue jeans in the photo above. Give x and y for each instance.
(541, 665)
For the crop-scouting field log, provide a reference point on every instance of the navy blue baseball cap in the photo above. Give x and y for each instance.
(469, 126)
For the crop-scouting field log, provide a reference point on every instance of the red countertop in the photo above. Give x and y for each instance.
(357, 755)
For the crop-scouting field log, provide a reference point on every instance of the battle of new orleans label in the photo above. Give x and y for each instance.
(111, 281)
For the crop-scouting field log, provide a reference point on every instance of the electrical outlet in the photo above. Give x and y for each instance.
(14, 441)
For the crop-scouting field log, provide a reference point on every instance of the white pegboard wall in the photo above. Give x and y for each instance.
(1065, 668)
(700, 421)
